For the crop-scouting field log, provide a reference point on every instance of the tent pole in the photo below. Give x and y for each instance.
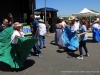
(90, 18)
(45, 10)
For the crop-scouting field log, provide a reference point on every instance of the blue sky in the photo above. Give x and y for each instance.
(67, 7)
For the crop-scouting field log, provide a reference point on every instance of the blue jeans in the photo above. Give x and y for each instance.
(36, 47)
(83, 44)
(42, 41)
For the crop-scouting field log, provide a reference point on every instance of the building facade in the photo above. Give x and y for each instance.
(18, 8)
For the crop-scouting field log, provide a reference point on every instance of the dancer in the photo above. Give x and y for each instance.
(96, 31)
(83, 39)
(69, 37)
(14, 48)
(59, 31)
(17, 32)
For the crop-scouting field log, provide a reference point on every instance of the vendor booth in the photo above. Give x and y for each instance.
(85, 12)
(51, 16)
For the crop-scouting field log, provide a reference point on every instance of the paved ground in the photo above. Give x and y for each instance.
(57, 61)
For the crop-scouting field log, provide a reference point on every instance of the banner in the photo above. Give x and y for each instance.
(26, 30)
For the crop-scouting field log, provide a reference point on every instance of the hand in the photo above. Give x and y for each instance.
(20, 30)
(78, 34)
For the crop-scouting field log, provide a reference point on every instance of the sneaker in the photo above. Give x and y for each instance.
(44, 47)
(80, 58)
(37, 54)
(40, 55)
(87, 55)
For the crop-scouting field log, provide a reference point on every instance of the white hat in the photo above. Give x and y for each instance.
(17, 24)
(40, 20)
(76, 18)
(72, 18)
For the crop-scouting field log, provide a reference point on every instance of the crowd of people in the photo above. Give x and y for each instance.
(72, 35)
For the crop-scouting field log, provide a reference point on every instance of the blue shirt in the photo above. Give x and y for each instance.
(81, 30)
(35, 25)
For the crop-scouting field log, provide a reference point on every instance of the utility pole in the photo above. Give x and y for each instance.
(45, 10)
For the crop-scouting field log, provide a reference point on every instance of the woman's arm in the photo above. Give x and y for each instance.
(81, 34)
(84, 31)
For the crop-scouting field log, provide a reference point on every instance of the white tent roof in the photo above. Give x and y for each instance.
(86, 12)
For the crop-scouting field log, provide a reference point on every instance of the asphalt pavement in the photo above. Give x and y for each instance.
(57, 61)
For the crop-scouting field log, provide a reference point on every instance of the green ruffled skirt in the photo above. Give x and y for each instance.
(14, 54)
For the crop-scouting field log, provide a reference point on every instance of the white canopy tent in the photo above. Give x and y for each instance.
(85, 12)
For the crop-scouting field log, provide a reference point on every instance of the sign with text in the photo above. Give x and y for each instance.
(26, 30)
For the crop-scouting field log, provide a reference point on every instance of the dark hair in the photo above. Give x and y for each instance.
(83, 22)
(73, 21)
(58, 20)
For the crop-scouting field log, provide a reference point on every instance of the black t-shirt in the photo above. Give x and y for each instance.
(1, 28)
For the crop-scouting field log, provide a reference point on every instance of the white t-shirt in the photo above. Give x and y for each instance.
(98, 26)
(64, 24)
(42, 29)
(15, 40)
(73, 28)
(95, 25)
(76, 26)
(98, 19)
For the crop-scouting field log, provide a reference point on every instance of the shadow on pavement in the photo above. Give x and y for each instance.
(53, 42)
(91, 41)
(6, 68)
(70, 53)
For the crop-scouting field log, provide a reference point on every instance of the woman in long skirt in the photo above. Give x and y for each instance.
(59, 31)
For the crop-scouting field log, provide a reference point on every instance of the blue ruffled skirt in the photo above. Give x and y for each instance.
(96, 34)
(70, 39)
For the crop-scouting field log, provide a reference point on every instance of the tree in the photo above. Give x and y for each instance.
(94, 11)
(65, 18)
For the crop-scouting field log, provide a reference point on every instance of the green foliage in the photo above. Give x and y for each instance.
(94, 11)
(65, 18)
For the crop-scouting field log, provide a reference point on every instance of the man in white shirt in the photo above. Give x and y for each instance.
(42, 33)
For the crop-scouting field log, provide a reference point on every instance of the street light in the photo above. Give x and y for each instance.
(45, 10)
